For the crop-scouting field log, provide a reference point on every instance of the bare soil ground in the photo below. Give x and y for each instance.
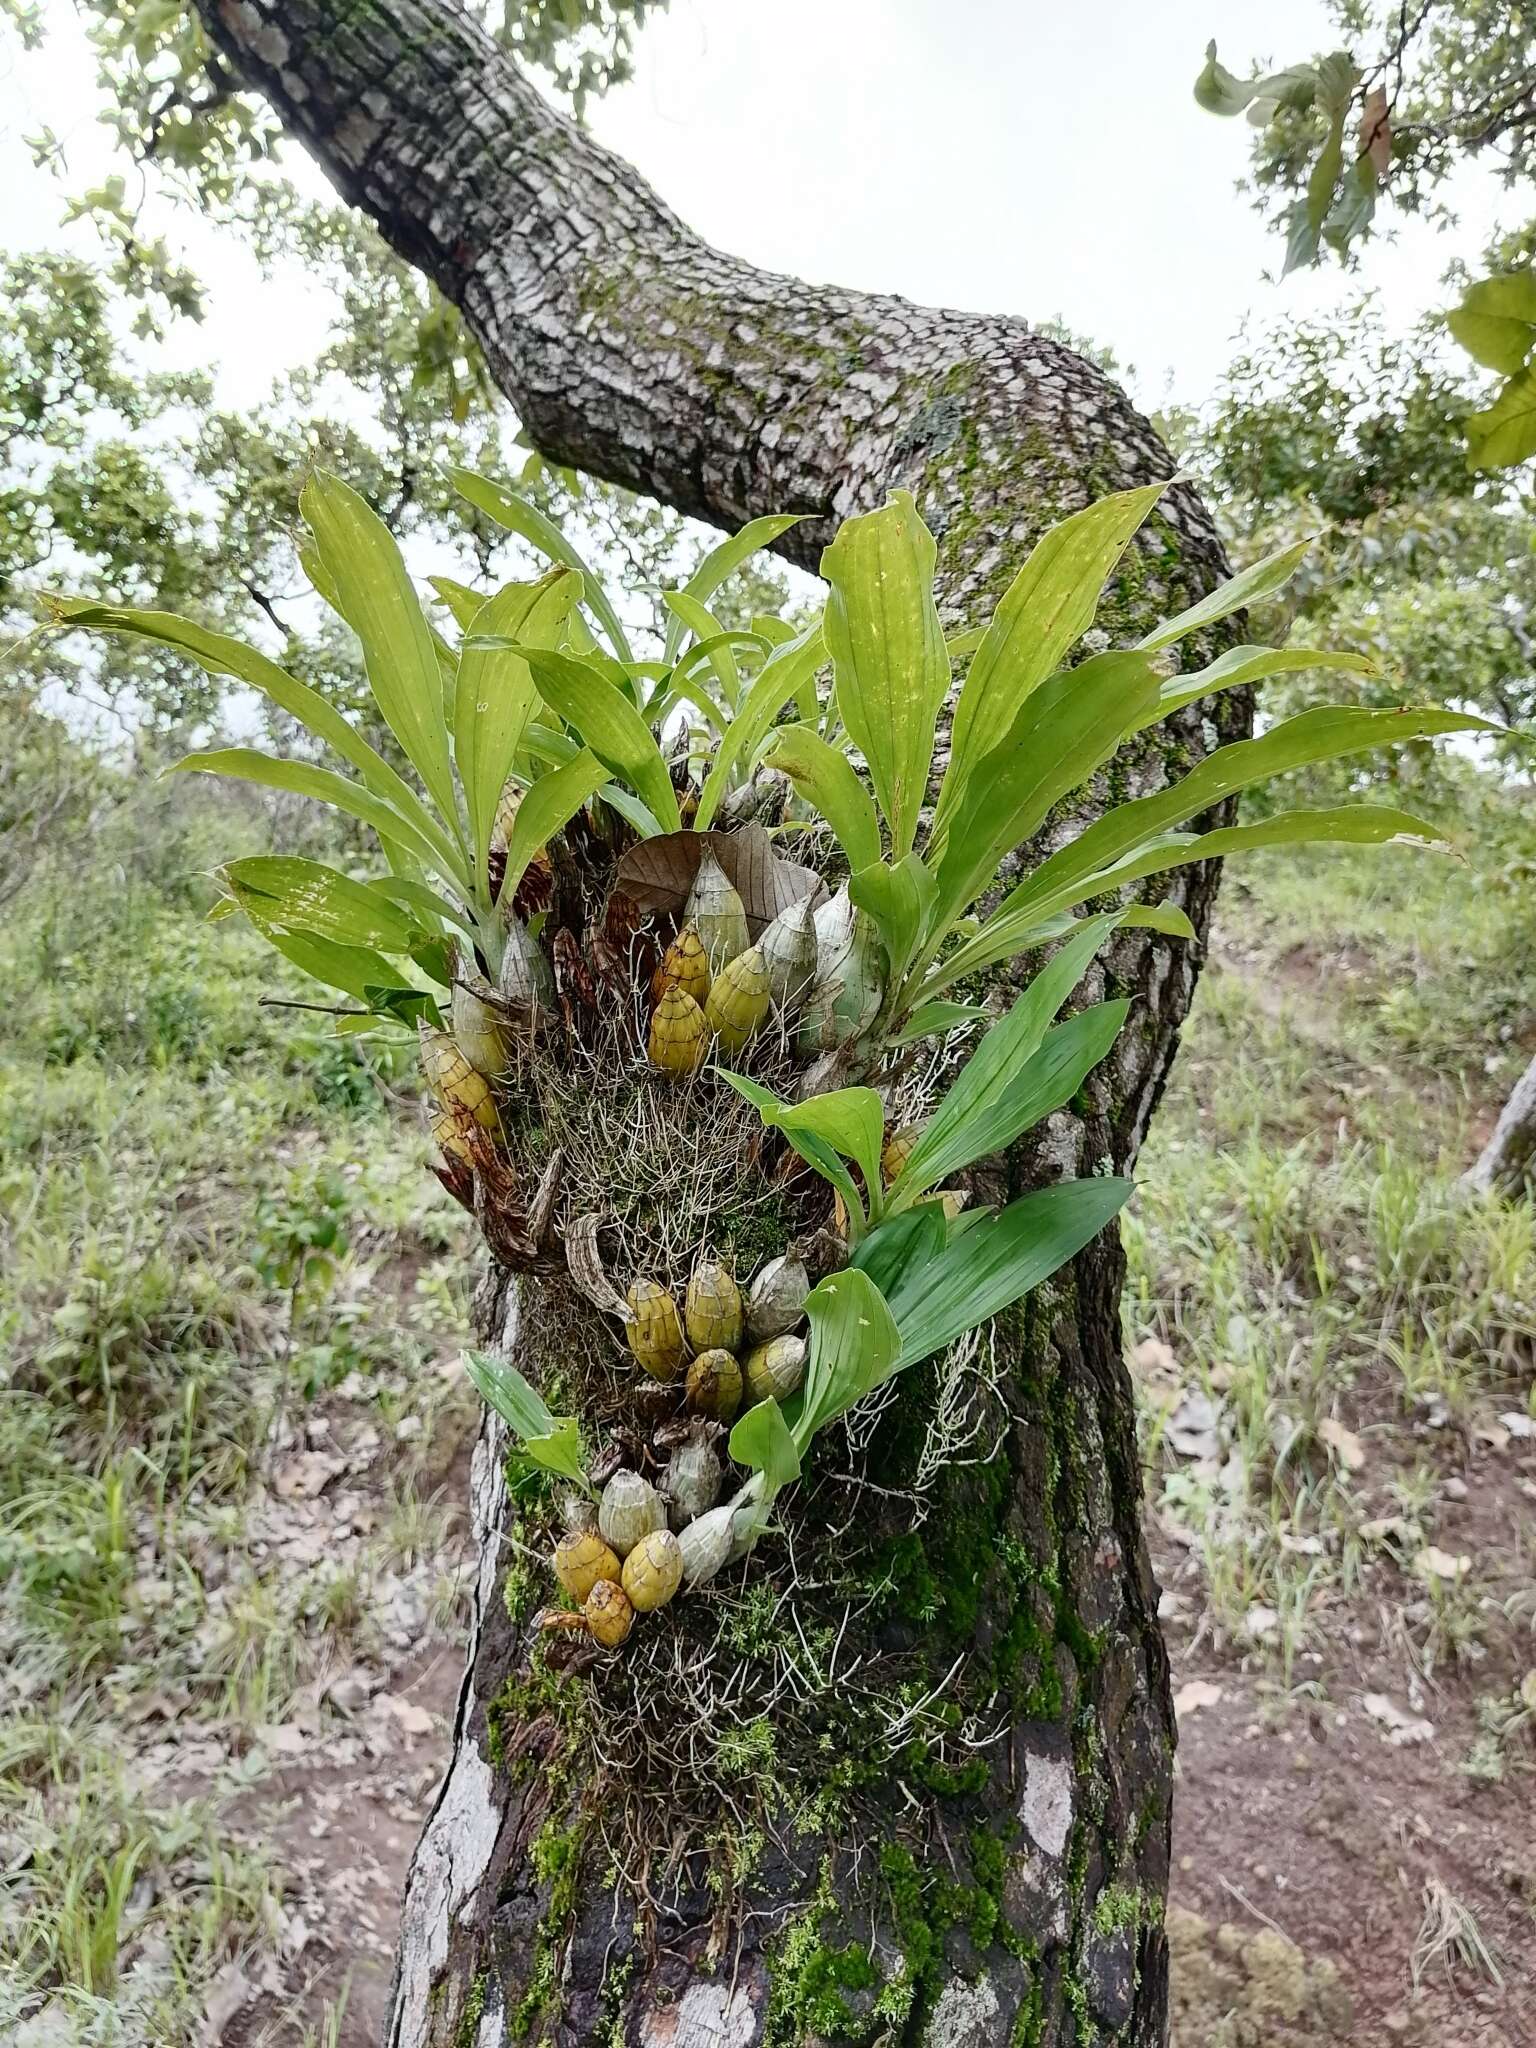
(1347, 1822)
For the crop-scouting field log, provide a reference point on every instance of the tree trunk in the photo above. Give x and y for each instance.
(1507, 1163)
(909, 1776)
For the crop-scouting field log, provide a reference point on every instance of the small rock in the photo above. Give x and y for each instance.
(413, 1719)
(230, 1993)
(1434, 1563)
(1194, 1694)
(1344, 1444)
(1401, 1727)
(304, 1476)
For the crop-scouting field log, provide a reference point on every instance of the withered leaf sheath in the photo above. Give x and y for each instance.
(718, 912)
(706, 1545)
(776, 1298)
(789, 948)
(477, 1028)
(526, 977)
(897, 1150)
(630, 1508)
(693, 1479)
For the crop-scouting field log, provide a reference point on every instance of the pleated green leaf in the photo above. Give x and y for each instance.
(548, 806)
(780, 678)
(582, 695)
(220, 655)
(518, 516)
(978, 1103)
(888, 655)
(495, 694)
(550, 1441)
(721, 561)
(761, 1441)
(377, 599)
(1251, 665)
(854, 1347)
(1038, 920)
(1041, 616)
(307, 896)
(1261, 581)
(986, 1268)
(303, 778)
(824, 776)
(1064, 731)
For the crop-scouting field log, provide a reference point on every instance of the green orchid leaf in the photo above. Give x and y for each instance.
(219, 655)
(900, 900)
(932, 1020)
(1327, 734)
(1251, 665)
(848, 1123)
(518, 516)
(323, 786)
(824, 776)
(1261, 581)
(407, 1006)
(307, 896)
(376, 598)
(1066, 729)
(462, 602)
(781, 677)
(979, 1101)
(712, 642)
(854, 1348)
(888, 655)
(617, 734)
(1016, 1100)
(495, 696)
(547, 808)
(552, 1442)
(1040, 618)
(761, 1440)
(1037, 920)
(996, 1262)
(721, 561)
(352, 969)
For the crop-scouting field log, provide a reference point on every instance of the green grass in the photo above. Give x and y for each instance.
(212, 1213)
(1300, 1242)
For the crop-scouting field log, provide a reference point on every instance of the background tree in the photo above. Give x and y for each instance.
(1377, 127)
(1337, 428)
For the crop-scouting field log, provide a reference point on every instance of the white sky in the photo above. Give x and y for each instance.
(995, 154)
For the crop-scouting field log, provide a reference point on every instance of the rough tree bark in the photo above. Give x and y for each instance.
(994, 1870)
(1507, 1163)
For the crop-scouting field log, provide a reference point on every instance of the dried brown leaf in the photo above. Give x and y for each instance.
(656, 875)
